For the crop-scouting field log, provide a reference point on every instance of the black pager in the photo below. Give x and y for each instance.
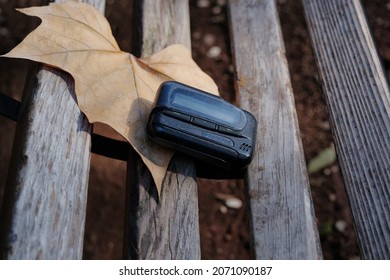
(202, 125)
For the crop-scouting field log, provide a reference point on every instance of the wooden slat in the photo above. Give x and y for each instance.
(282, 218)
(164, 227)
(45, 203)
(358, 99)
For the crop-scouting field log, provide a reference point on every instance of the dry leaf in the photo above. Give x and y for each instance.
(112, 86)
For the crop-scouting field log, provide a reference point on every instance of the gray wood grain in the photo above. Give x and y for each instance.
(165, 226)
(358, 99)
(282, 219)
(45, 202)
(160, 24)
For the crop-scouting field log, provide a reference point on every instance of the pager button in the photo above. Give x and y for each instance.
(230, 131)
(178, 115)
(203, 123)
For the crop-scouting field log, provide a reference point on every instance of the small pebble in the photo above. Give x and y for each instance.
(209, 39)
(233, 203)
(223, 209)
(203, 3)
(228, 237)
(229, 200)
(217, 10)
(334, 169)
(324, 125)
(221, 2)
(327, 171)
(332, 197)
(340, 225)
(4, 32)
(214, 52)
(196, 35)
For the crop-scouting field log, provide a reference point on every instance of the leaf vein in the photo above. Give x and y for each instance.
(86, 25)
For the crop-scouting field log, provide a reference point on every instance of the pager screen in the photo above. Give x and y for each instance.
(214, 109)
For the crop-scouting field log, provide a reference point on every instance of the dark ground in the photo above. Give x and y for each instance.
(224, 231)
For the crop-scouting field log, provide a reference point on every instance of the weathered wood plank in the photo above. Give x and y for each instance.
(282, 218)
(158, 25)
(44, 210)
(358, 99)
(164, 227)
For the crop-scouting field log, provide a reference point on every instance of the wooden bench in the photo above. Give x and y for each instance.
(44, 210)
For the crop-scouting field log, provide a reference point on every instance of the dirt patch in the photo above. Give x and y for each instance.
(224, 230)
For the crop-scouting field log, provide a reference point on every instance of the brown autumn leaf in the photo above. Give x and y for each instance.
(112, 86)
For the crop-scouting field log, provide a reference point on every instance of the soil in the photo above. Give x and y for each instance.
(224, 231)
